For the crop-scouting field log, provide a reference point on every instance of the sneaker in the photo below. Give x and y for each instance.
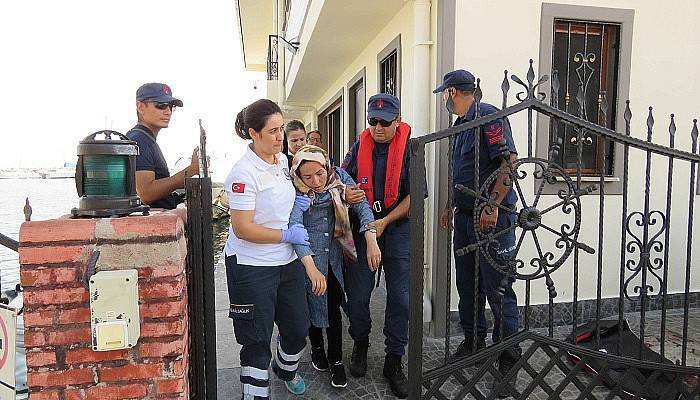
(296, 386)
(393, 371)
(338, 377)
(358, 360)
(318, 359)
(505, 364)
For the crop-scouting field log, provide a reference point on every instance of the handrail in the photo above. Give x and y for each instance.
(8, 242)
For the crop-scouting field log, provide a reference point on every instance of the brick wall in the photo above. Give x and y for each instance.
(62, 365)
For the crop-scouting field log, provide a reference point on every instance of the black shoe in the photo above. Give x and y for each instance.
(358, 360)
(338, 377)
(393, 371)
(466, 349)
(318, 359)
(505, 364)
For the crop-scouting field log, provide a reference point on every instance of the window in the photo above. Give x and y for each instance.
(356, 107)
(389, 68)
(333, 123)
(330, 123)
(387, 71)
(591, 50)
(585, 56)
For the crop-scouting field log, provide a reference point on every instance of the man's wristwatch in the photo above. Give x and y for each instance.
(371, 229)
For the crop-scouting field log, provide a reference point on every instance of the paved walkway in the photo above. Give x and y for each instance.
(373, 385)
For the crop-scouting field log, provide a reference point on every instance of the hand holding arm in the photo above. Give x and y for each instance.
(303, 202)
(353, 194)
(295, 234)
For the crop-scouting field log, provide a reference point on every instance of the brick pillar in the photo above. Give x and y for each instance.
(53, 258)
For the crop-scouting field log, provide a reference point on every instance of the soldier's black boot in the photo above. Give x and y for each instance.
(393, 372)
(358, 360)
(466, 347)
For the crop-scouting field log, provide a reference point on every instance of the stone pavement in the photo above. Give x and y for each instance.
(373, 385)
(434, 355)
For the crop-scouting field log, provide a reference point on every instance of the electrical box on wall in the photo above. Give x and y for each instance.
(114, 309)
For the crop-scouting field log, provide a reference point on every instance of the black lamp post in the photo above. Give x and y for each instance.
(105, 176)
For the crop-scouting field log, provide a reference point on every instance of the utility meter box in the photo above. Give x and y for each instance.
(114, 309)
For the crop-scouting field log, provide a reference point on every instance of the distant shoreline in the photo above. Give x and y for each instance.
(36, 177)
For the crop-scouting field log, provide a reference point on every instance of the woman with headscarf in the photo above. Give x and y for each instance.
(328, 224)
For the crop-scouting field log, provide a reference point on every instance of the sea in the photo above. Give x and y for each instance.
(49, 199)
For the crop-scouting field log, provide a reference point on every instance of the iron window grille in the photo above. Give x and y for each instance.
(585, 55)
(388, 75)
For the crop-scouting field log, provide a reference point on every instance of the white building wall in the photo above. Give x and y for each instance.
(401, 24)
(493, 35)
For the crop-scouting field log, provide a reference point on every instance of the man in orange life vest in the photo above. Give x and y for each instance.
(379, 163)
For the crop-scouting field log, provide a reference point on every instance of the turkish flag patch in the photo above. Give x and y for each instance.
(238, 187)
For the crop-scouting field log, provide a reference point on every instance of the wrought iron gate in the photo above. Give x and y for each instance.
(570, 237)
(200, 280)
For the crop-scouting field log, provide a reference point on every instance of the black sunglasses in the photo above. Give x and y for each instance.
(163, 106)
(375, 121)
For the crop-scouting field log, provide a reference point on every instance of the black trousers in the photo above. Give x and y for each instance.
(334, 332)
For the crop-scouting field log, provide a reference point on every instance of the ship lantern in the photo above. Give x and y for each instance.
(105, 176)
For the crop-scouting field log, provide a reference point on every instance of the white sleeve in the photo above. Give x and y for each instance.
(241, 189)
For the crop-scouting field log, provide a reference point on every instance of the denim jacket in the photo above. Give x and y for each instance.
(319, 221)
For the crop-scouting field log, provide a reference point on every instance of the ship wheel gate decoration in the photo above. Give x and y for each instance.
(530, 219)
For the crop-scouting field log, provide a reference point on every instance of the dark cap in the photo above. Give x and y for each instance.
(157, 92)
(383, 106)
(460, 79)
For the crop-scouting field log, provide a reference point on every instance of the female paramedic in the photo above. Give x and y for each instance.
(265, 278)
(328, 224)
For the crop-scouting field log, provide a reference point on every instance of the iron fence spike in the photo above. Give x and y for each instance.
(27, 210)
(531, 78)
(477, 92)
(694, 134)
(672, 130)
(505, 87)
(650, 124)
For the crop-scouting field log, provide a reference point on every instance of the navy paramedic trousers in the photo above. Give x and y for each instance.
(489, 278)
(260, 297)
(360, 281)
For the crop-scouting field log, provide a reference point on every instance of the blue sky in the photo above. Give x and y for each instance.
(72, 67)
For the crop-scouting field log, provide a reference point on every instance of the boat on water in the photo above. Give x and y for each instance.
(219, 201)
(19, 174)
(38, 173)
(58, 173)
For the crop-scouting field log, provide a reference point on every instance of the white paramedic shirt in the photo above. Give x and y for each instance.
(267, 189)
